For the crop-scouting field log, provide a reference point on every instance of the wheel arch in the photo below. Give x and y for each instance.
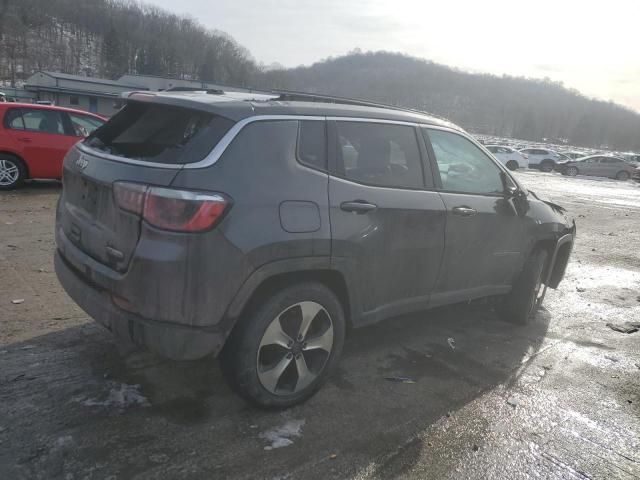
(265, 281)
(558, 253)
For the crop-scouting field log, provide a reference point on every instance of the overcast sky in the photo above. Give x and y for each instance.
(590, 46)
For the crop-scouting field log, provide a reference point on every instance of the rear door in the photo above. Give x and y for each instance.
(484, 232)
(45, 140)
(609, 167)
(589, 166)
(534, 156)
(387, 223)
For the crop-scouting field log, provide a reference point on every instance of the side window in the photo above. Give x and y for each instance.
(462, 165)
(312, 144)
(44, 121)
(493, 149)
(13, 119)
(83, 125)
(380, 154)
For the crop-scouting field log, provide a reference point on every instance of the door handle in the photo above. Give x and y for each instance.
(464, 211)
(358, 206)
(24, 139)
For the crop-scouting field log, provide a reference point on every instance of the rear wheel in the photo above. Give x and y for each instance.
(546, 165)
(512, 165)
(622, 175)
(282, 352)
(526, 296)
(12, 172)
(571, 171)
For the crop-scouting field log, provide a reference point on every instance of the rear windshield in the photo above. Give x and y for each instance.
(160, 133)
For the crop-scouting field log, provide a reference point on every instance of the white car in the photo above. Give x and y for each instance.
(508, 156)
(542, 158)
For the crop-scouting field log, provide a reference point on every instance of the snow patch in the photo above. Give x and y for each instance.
(120, 396)
(282, 436)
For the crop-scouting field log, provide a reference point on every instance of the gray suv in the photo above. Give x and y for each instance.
(258, 228)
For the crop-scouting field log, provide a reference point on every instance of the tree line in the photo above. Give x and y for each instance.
(503, 106)
(108, 38)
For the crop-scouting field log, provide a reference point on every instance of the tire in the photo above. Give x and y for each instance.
(267, 374)
(571, 171)
(512, 165)
(622, 175)
(547, 165)
(522, 302)
(12, 172)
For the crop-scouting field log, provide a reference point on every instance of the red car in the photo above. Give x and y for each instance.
(35, 138)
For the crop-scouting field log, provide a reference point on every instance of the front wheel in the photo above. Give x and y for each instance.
(622, 175)
(512, 165)
(571, 171)
(526, 295)
(12, 172)
(282, 351)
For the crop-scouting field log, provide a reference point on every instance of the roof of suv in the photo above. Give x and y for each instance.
(238, 106)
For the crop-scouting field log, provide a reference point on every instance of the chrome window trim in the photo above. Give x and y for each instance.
(214, 155)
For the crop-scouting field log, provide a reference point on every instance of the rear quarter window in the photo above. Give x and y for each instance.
(160, 133)
(312, 144)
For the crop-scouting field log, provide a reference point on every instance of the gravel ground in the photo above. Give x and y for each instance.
(559, 398)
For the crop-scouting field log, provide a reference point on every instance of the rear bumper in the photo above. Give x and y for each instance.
(174, 341)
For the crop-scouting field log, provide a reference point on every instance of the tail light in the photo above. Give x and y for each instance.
(171, 209)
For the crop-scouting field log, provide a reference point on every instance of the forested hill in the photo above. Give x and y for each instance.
(106, 38)
(504, 106)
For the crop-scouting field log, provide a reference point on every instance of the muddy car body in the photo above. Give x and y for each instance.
(260, 227)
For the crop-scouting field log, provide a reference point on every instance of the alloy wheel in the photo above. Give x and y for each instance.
(9, 173)
(294, 348)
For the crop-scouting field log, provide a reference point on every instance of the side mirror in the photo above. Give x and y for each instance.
(508, 187)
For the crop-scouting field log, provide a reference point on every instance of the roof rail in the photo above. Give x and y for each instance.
(292, 96)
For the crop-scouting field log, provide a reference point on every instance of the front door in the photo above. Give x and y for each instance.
(484, 231)
(387, 225)
(44, 141)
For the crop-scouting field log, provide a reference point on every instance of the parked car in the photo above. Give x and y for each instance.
(541, 158)
(509, 157)
(35, 138)
(258, 228)
(598, 166)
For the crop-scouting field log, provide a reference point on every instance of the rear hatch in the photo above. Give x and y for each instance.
(143, 143)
